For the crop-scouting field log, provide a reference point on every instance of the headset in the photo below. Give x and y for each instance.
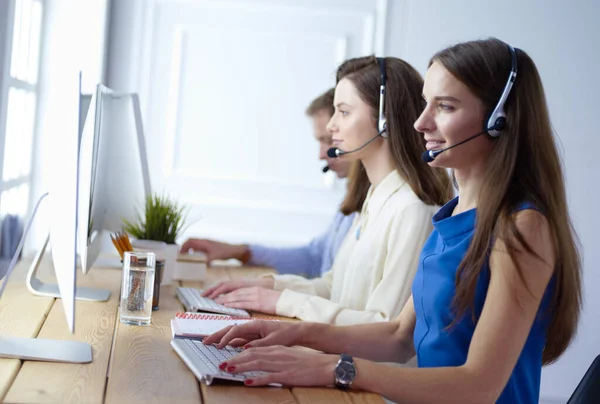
(381, 121)
(497, 120)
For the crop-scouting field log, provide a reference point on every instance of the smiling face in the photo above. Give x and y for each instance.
(353, 123)
(453, 114)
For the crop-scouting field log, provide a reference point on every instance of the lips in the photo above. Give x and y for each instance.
(433, 144)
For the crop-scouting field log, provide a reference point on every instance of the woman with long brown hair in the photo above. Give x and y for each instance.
(497, 294)
(376, 101)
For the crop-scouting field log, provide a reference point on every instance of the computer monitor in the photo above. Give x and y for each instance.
(63, 202)
(116, 178)
(112, 181)
(101, 171)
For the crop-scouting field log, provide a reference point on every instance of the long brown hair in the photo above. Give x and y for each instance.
(403, 105)
(524, 167)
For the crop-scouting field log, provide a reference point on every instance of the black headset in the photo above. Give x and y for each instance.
(497, 119)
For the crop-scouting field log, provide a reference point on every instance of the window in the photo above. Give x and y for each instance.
(17, 133)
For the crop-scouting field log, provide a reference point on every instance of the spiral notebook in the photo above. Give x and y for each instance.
(200, 325)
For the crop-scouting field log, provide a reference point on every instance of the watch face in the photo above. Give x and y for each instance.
(345, 372)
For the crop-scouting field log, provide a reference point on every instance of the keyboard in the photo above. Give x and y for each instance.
(193, 301)
(204, 360)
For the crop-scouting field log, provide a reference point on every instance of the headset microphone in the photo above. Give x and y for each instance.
(325, 169)
(430, 155)
(335, 152)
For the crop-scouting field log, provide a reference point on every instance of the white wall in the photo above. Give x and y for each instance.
(223, 87)
(562, 37)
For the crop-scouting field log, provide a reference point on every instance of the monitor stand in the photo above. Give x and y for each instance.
(40, 288)
(46, 350)
(39, 349)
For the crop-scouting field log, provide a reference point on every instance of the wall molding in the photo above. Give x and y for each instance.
(156, 37)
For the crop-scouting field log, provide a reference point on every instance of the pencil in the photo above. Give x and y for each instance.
(127, 242)
(122, 243)
(117, 246)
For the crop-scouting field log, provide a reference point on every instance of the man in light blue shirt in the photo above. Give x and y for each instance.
(311, 260)
(316, 257)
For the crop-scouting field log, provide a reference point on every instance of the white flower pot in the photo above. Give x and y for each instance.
(171, 252)
(164, 252)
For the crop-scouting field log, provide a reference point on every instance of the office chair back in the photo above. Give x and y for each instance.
(588, 389)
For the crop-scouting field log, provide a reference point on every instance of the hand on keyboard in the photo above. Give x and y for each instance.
(204, 360)
(229, 286)
(254, 298)
(193, 301)
(260, 334)
(285, 365)
(215, 250)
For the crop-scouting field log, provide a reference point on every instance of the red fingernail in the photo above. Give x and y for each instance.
(223, 365)
(248, 346)
(231, 368)
(248, 382)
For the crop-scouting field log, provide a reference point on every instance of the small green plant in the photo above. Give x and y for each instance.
(162, 220)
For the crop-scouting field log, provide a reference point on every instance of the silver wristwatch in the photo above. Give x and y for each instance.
(345, 372)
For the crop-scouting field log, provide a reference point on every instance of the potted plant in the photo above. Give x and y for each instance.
(162, 220)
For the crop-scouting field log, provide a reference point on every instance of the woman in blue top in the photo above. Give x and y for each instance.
(497, 293)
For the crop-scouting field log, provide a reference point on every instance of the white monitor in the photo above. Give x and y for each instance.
(101, 177)
(63, 203)
(115, 177)
(102, 170)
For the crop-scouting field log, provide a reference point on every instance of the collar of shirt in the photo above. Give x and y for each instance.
(376, 197)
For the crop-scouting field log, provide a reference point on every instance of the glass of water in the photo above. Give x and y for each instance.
(137, 287)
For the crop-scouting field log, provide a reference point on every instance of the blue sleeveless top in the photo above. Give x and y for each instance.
(433, 293)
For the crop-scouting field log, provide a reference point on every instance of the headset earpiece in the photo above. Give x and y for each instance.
(382, 122)
(499, 124)
(497, 119)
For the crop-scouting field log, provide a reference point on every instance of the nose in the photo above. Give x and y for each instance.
(425, 123)
(331, 126)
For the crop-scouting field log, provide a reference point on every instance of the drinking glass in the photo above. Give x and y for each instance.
(137, 287)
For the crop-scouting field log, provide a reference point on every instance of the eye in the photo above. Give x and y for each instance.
(445, 107)
(343, 112)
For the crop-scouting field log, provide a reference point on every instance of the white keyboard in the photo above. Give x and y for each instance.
(193, 301)
(204, 360)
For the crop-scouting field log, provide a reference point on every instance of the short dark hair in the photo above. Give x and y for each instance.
(322, 102)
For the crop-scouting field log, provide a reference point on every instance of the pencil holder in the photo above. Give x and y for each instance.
(158, 273)
(137, 287)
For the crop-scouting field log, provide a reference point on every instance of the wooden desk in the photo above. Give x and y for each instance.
(130, 364)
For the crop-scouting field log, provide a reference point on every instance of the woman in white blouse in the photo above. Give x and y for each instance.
(372, 274)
